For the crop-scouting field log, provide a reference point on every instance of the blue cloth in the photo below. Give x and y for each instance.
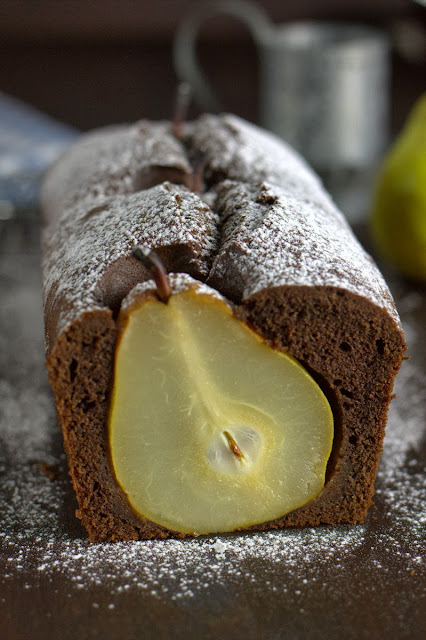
(29, 142)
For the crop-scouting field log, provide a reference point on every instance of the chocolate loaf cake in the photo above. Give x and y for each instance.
(253, 393)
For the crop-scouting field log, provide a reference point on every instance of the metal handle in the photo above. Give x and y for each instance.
(184, 54)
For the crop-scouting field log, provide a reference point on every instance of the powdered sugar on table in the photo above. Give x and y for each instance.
(42, 542)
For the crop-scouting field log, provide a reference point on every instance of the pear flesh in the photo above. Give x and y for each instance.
(210, 429)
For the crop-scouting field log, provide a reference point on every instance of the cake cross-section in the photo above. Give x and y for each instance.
(232, 372)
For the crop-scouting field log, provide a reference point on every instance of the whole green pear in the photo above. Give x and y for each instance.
(398, 221)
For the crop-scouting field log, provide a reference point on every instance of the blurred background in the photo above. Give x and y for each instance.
(87, 63)
(92, 62)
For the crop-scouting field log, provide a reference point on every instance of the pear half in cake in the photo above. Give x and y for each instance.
(211, 429)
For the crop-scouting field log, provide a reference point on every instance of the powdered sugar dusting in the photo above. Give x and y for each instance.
(111, 161)
(40, 540)
(280, 225)
(271, 238)
(238, 150)
(86, 242)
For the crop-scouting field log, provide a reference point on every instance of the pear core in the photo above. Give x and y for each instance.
(211, 429)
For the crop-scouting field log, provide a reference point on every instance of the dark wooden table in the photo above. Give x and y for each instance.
(332, 582)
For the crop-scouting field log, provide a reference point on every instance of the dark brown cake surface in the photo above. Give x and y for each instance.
(269, 240)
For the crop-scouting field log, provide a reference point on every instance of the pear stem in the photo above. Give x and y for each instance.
(234, 446)
(153, 263)
(183, 99)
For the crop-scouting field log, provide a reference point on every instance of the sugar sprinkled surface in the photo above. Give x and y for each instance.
(77, 255)
(111, 161)
(41, 541)
(241, 151)
(98, 210)
(305, 251)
